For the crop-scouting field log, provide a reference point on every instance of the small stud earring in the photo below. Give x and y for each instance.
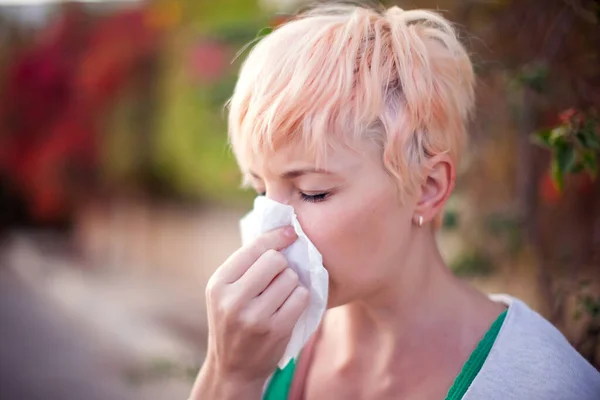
(420, 221)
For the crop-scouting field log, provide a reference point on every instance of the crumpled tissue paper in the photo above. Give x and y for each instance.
(303, 257)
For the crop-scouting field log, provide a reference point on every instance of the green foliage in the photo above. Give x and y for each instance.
(534, 76)
(472, 264)
(209, 16)
(574, 144)
(450, 220)
(591, 305)
(506, 228)
(586, 303)
(190, 151)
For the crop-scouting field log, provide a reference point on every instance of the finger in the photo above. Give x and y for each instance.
(290, 311)
(239, 262)
(260, 274)
(273, 297)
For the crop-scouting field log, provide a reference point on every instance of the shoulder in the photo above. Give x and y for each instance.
(531, 359)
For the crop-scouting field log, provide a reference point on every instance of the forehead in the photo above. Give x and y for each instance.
(341, 159)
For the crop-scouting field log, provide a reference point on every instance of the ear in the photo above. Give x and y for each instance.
(436, 188)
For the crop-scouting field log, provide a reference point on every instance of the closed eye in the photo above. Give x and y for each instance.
(310, 198)
(314, 198)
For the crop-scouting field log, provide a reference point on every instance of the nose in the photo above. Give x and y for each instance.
(281, 200)
(278, 196)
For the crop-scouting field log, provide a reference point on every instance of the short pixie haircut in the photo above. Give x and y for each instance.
(338, 74)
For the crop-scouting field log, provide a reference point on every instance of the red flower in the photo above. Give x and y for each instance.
(209, 61)
(569, 116)
(55, 95)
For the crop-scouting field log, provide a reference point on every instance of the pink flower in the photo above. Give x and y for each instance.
(208, 61)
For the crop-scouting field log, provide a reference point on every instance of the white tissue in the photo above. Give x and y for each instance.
(303, 257)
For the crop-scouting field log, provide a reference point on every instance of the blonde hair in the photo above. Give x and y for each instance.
(337, 74)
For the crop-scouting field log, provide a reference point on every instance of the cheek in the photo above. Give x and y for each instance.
(357, 238)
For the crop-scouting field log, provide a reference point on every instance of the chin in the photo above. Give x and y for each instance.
(331, 304)
(335, 298)
(332, 300)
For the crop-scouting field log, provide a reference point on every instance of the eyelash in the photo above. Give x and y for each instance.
(314, 198)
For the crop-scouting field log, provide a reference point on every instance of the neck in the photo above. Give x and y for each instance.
(432, 313)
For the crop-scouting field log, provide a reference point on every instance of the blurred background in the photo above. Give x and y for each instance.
(119, 196)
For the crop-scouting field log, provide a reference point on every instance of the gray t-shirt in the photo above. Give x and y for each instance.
(532, 360)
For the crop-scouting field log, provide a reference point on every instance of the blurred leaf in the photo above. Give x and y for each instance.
(589, 161)
(505, 227)
(587, 136)
(592, 307)
(534, 76)
(563, 162)
(557, 135)
(577, 315)
(450, 220)
(577, 168)
(474, 264)
(588, 139)
(592, 139)
(582, 139)
(542, 137)
(557, 175)
(499, 223)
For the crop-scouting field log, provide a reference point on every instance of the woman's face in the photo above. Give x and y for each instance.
(350, 210)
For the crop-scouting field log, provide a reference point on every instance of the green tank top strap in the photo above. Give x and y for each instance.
(281, 381)
(475, 362)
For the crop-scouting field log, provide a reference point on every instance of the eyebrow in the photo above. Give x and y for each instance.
(298, 172)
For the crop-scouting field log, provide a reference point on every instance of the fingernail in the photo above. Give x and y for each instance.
(289, 232)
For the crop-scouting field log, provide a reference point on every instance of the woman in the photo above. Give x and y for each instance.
(357, 118)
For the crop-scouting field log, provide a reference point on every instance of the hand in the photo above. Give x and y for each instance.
(254, 301)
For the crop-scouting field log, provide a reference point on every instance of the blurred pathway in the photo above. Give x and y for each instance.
(119, 310)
